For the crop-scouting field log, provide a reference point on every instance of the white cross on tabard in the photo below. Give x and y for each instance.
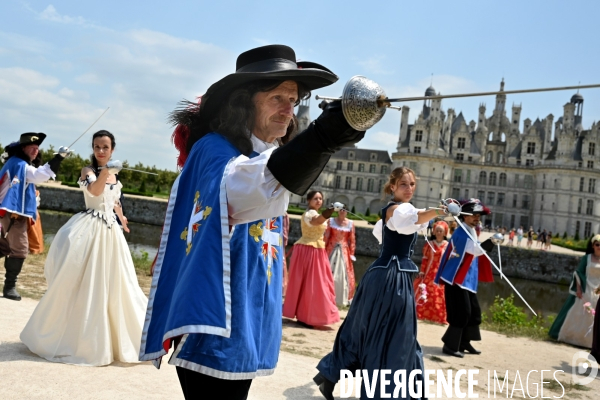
(272, 239)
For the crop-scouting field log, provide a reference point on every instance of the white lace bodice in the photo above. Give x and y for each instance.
(103, 205)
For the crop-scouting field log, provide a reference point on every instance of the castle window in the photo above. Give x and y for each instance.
(579, 205)
(468, 180)
(338, 165)
(370, 185)
(466, 193)
(529, 163)
(482, 178)
(580, 164)
(500, 157)
(491, 197)
(581, 184)
(517, 183)
(361, 167)
(457, 175)
(460, 156)
(589, 209)
(590, 164)
(351, 155)
(461, 143)
(417, 150)
(418, 136)
(502, 180)
(480, 194)
(592, 149)
(492, 179)
(587, 230)
(372, 168)
(592, 186)
(525, 202)
(359, 182)
(373, 156)
(500, 201)
(350, 166)
(348, 183)
(489, 157)
(515, 199)
(470, 159)
(384, 169)
(528, 182)
(338, 182)
(380, 186)
(531, 148)
(455, 193)
(577, 227)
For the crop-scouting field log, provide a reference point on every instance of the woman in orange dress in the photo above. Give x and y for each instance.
(340, 245)
(434, 308)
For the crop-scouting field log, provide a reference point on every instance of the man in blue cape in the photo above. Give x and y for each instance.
(216, 289)
(18, 203)
(460, 270)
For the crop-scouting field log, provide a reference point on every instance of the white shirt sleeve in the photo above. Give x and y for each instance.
(38, 175)
(253, 193)
(404, 220)
(378, 231)
(309, 215)
(472, 248)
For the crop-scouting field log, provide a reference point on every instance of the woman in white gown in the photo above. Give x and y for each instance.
(93, 311)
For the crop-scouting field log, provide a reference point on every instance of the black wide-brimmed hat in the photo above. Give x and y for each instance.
(274, 62)
(32, 138)
(475, 206)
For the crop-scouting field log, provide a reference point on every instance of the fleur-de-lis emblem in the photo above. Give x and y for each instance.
(270, 239)
(256, 231)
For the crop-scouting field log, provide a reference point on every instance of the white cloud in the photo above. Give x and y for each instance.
(380, 140)
(50, 14)
(375, 65)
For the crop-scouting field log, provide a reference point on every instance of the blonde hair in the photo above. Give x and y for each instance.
(395, 176)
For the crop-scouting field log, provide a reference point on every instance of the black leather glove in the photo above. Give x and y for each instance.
(299, 163)
(55, 163)
(488, 245)
(327, 213)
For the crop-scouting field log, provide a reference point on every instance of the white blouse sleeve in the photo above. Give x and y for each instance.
(309, 215)
(378, 231)
(404, 220)
(253, 193)
(38, 175)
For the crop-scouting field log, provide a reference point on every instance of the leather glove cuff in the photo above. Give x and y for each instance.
(487, 245)
(55, 163)
(327, 213)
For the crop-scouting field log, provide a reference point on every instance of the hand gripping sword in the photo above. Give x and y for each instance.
(454, 209)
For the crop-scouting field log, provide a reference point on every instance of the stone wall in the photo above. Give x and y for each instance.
(521, 263)
(517, 262)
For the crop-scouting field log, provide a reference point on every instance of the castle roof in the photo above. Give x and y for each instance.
(382, 156)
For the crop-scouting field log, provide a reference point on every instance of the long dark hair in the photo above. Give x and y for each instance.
(236, 117)
(101, 133)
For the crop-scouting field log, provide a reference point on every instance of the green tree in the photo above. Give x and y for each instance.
(353, 211)
(565, 235)
(367, 213)
(576, 236)
(142, 188)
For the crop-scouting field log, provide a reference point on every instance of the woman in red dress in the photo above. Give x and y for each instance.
(340, 245)
(310, 295)
(434, 308)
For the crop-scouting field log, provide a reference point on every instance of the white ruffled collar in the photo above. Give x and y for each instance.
(335, 225)
(259, 146)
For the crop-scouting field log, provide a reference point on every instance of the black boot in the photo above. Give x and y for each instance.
(13, 268)
(325, 386)
(469, 349)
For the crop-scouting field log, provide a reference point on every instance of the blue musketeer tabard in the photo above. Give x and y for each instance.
(458, 267)
(217, 287)
(17, 196)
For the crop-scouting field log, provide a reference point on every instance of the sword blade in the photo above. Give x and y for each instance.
(494, 264)
(143, 172)
(90, 127)
(450, 96)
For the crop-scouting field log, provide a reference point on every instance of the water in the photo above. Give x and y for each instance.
(142, 238)
(546, 298)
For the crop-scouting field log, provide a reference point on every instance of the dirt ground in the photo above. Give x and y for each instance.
(30, 377)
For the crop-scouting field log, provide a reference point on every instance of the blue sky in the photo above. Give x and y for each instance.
(63, 62)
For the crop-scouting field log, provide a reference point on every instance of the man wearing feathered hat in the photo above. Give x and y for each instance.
(460, 270)
(216, 293)
(18, 205)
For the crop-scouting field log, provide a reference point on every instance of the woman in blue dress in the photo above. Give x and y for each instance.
(380, 330)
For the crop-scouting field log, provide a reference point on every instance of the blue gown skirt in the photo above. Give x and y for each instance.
(380, 330)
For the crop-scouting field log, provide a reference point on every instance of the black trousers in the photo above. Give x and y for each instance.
(199, 386)
(463, 315)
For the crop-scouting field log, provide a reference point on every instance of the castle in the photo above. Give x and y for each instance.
(543, 176)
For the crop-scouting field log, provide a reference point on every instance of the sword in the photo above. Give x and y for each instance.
(135, 170)
(84, 132)
(494, 264)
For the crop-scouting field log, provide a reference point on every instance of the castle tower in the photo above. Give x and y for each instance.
(303, 115)
(403, 127)
(516, 118)
(577, 99)
(481, 119)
